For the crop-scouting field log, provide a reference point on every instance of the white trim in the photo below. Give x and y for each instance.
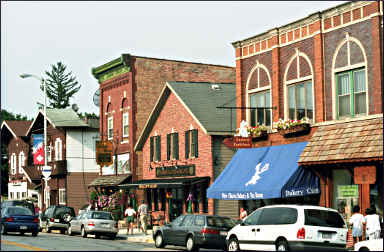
(21, 162)
(350, 22)
(13, 163)
(110, 118)
(61, 190)
(9, 128)
(125, 114)
(347, 40)
(58, 149)
(34, 120)
(125, 94)
(297, 55)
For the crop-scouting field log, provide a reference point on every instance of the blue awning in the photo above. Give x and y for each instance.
(264, 173)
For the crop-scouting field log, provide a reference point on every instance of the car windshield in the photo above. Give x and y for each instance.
(220, 222)
(19, 211)
(101, 215)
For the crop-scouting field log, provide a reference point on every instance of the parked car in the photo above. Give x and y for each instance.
(194, 231)
(99, 223)
(289, 227)
(57, 218)
(369, 245)
(19, 219)
(22, 203)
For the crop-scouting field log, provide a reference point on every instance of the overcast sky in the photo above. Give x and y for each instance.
(83, 35)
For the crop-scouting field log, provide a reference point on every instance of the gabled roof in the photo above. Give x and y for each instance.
(201, 101)
(345, 142)
(60, 118)
(32, 173)
(16, 127)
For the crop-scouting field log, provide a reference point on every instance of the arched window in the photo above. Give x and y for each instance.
(259, 96)
(350, 80)
(298, 88)
(21, 162)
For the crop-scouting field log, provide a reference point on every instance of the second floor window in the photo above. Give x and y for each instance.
(155, 148)
(62, 196)
(173, 146)
(13, 163)
(191, 144)
(300, 101)
(58, 149)
(351, 93)
(21, 162)
(125, 125)
(110, 128)
(261, 116)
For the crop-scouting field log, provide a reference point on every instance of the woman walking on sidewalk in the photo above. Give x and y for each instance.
(130, 214)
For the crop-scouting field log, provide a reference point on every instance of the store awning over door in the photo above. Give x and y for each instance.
(264, 173)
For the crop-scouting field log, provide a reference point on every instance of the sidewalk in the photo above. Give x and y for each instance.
(137, 235)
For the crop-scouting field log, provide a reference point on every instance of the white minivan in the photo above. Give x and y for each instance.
(289, 227)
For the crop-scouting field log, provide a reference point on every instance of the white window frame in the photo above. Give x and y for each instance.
(110, 127)
(49, 153)
(21, 162)
(13, 163)
(62, 196)
(58, 149)
(125, 123)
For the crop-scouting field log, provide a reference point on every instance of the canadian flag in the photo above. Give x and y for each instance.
(38, 149)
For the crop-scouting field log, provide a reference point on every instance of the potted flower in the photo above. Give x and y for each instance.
(259, 131)
(290, 127)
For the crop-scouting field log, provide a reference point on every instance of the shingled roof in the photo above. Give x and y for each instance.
(345, 142)
(110, 180)
(32, 173)
(17, 127)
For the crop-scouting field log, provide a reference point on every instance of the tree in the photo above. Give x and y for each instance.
(60, 86)
(5, 115)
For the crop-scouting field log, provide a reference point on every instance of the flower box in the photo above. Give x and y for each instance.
(262, 135)
(296, 130)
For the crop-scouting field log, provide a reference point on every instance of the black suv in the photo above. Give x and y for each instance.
(57, 218)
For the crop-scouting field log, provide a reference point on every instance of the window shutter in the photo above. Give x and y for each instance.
(176, 145)
(168, 146)
(187, 144)
(158, 147)
(194, 136)
(151, 149)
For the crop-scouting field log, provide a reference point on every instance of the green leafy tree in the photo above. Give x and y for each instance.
(6, 115)
(61, 86)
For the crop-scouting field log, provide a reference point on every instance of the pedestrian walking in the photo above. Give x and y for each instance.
(243, 214)
(130, 214)
(356, 221)
(373, 226)
(143, 215)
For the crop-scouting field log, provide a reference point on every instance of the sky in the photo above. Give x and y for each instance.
(83, 35)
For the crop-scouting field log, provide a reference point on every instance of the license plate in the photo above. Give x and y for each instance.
(327, 236)
(57, 220)
(223, 233)
(23, 227)
(105, 225)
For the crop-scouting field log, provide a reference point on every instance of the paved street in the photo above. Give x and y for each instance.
(59, 242)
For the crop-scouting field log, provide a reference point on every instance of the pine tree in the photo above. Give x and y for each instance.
(60, 86)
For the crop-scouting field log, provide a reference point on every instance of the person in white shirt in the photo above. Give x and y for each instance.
(130, 214)
(372, 221)
(356, 221)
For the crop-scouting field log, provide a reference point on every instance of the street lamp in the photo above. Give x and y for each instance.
(45, 123)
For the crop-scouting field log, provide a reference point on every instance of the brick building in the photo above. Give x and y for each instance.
(328, 68)
(129, 88)
(183, 150)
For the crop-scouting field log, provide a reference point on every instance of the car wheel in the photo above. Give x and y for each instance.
(34, 234)
(191, 246)
(83, 233)
(233, 244)
(3, 230)
(364, 249)
(22, 233)
(159, 241)
(47, 228)
(69, 230)
(282, 245)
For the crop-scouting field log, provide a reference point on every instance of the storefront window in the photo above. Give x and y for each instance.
(345, 193)
(156, 199)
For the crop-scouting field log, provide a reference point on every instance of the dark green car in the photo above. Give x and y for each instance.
(194, 231)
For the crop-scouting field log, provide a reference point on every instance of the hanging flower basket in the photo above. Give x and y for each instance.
(297, 130)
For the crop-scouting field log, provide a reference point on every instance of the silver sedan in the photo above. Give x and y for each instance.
(94, 222)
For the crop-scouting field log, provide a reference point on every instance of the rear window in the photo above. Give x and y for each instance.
(220, 222)
(101, 216)
(63, 210)
(278, 216)
(20, 203)
(323, 218)
(19, 211)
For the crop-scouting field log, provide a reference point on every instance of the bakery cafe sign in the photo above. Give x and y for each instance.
(241, 140)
